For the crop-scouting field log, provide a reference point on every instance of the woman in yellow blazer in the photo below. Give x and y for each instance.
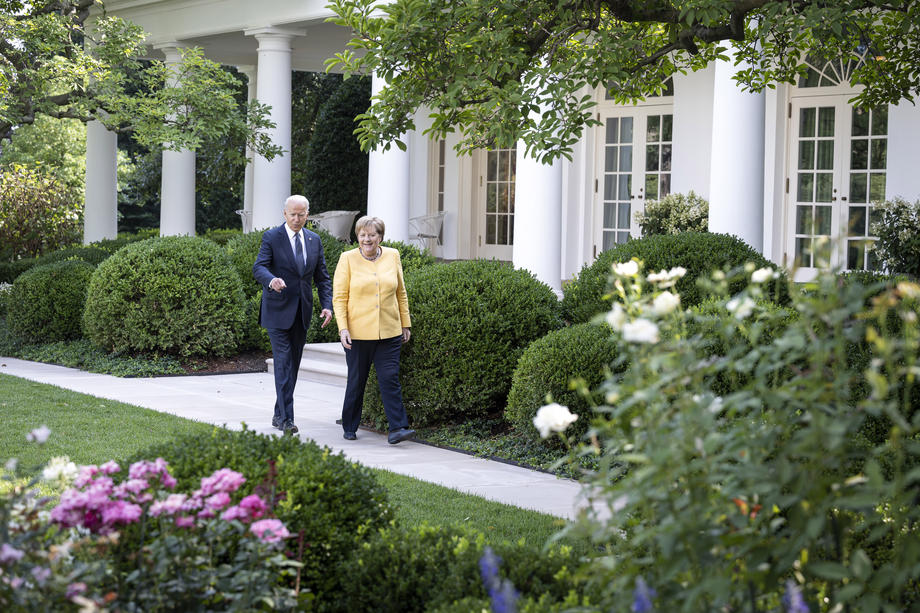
(372, 309)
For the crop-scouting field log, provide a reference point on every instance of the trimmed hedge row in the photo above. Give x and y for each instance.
(46, 303)
(699, 253)
(471, 321)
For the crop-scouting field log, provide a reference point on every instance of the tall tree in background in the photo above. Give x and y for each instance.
(310, 90)
(336, 168)
(499, 71)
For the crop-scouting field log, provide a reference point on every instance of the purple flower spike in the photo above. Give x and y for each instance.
(642, 597)
(793, 602)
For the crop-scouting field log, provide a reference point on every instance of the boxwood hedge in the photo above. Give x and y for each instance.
(46, 303)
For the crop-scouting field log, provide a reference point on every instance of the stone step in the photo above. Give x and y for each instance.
(321, 362)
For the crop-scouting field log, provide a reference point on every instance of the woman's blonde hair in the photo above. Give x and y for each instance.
(369, 220)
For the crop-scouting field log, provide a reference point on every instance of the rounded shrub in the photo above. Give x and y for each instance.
(243, 250)
(254, 337)
(471, 321)
(423, 568)
(699, 253)
(673, 214)
(86, 253)
(331, 501)
(412, 257)
(46, 303)
(177, 295)
(550, 366)
(222, 235)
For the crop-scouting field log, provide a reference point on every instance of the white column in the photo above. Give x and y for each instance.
(100, 210)
(388, 184)
(271, 180)
(538, 219)
(251, 76)
(736, 185)
(177, 187)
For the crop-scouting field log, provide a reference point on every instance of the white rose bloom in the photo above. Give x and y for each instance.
(626, 269)
(616, 317)
(762, 275)
(640, 331)
(741, 308)
(39, 435)
(664, 303)
(655, 277)
(553, 418)
(677, 272)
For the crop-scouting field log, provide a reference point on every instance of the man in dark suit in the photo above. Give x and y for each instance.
(289, 262)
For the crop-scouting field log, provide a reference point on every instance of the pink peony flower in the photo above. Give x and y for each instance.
(235, 512)
(121, 512)
(255, 505)
(87, 473)
(205, 514)
(218, 501)
(172, 505)
(223, 480)
(110, 468)
(184, 521)
(269, 530)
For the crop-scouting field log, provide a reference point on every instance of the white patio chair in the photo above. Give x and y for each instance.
(426, 227)
(336, 223)
(246, 219)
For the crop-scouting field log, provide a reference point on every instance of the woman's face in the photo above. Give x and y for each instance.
(369, 240)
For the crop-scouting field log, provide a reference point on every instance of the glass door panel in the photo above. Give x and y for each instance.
(497, 209)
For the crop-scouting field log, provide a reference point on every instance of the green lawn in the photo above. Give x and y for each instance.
(91, 430)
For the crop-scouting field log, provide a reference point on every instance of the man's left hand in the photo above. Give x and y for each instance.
(326, 314)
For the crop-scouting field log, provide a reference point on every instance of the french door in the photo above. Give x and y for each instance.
(836, 171)
(633, 164)
(497, 174)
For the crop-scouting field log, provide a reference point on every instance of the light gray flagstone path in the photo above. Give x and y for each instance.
(234, 399)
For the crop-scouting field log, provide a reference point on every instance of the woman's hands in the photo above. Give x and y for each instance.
(345, 338)
(407, 333)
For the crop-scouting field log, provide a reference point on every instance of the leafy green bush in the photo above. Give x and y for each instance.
(82, 354)
(333, 502)
(46, 302)
(254, 335)
(243, 250)
(37, 214)
(10, 270)
(222, 235)
(86, 253)
(471, 321)
(673, 214)
(422, 568)
(176, 295)
(5, 289)
(125, 238)
(698, 253)
(897, 226)
(412, 257)
(726, 502)
(551, 365)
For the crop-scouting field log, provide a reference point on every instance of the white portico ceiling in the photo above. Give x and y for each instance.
(218, 26)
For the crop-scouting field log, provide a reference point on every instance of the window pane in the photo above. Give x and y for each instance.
(626, 130)
(825, 187)
(626, 158)
(491, 198)
(858, 187)
(666, 158)
(622, 237)
(803, 251)
(823, 220)
(803, 220)
(826, 121)
(880, 121)
(859, 154)
(856, 226)
(806, 189)
(854, 255)
(651, 158)
(623, 215)
(872, 262)
(613, 125)
(510, 229)
(490, 229)
(826, 155)
(666, 127)
(610, 186)
(511, 199)
(860, 122)
(876, 187)
(651, 187)
(623, 192)
(503, 166)
(879, 156)
(874, 217)
(610, 241)
(610, 218)
(806, 155)
(665, 185)
(492, 173)
(502, 198)
(807, 123)
(653, 129)
(501, 224)
(610, 159)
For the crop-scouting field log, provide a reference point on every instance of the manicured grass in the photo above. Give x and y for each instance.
(91, 430)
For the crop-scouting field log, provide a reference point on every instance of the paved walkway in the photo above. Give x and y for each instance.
(233, 399)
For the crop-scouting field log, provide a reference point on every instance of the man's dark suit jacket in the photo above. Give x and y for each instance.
(276, 259)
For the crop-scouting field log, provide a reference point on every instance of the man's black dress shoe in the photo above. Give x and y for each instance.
(276, 423)
(290, 428)
(349, 436)
(400, 435)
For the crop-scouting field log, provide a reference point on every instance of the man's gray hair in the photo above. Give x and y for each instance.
(296, 198)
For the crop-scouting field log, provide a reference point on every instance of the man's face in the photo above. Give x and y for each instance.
(295, 214)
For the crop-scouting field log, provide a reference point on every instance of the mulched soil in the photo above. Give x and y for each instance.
(253, 361)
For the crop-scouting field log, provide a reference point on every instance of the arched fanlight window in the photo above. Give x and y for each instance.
(823, 73)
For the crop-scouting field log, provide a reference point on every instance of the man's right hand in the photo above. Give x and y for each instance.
(277, 284)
